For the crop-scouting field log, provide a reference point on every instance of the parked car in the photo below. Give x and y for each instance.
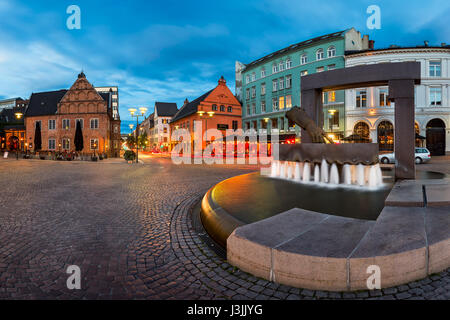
(422, 155)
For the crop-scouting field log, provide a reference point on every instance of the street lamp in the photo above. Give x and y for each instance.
(18, 117)
(136, 115)
(210, 115)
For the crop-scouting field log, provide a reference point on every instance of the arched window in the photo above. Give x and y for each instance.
(331, 51)
(288, 64)
(319, 54)
(304, 59)
(385, 132)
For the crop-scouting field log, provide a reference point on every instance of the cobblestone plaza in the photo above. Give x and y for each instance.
(129, 229)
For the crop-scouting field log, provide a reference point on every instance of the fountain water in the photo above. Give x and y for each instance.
(334, 174)
(306, 172)
(324, 173)
(297, 175)
(317, 174)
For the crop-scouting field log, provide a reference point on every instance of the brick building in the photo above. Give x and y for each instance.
(58, 113)
(216, 109)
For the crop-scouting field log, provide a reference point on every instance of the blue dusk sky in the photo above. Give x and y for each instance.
(171, 50)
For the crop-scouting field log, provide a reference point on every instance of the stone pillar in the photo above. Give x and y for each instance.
(312, 103)
(402, 92)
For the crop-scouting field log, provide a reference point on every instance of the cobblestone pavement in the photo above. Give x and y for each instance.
(129, 229)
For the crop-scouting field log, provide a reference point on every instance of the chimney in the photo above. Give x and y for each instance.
(222, 81)
(426, 43)
(371, 44)
(186, 102)
(443, 44)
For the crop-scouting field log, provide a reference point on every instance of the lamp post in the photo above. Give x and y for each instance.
(18, 117)
(136, 115)
(210, 115)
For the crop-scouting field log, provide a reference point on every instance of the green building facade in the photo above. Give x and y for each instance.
(270, 86)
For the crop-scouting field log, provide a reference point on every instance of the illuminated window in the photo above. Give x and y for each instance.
(66, 144)
(94, 144)
(361, 98)
(66, 124)
(384, 101)
(281, 103)
(288, 102)
(320, 69)
(303, 73)
(332, 96)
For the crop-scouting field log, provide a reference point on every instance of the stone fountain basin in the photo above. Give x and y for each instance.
(408, 241)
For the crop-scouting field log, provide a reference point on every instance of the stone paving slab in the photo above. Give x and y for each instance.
(437, 222)
(317, 259)
(405, 195)
(438, 195)
(255, 241)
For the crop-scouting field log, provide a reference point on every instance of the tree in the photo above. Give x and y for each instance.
(131, 142)
(37, 137)
(143, 138)
(79, 142)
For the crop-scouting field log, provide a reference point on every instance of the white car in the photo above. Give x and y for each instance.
(422, 155)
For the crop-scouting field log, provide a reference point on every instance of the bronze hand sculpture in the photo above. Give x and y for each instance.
(301, 118)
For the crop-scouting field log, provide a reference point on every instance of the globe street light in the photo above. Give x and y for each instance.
(135, 114)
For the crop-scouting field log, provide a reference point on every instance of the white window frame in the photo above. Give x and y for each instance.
(253, 76)
(90, 123)
(79, 120)
(320, 69)
(54, 144)
(263, 72)
(53, 121)
(67, 121)
(359, 93)
(281, 83)
(90, 144)
(65, 144)
(433, 94)
(274, 68)
(253, 92)
(331, 51)
(288, 64)
(274, 85)
(263, 89)
(433, 69)
(263, 106)
(319, 54)
(275, 104)
(304, 59)
(281, 66)
(288, 82)
(303, 73)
